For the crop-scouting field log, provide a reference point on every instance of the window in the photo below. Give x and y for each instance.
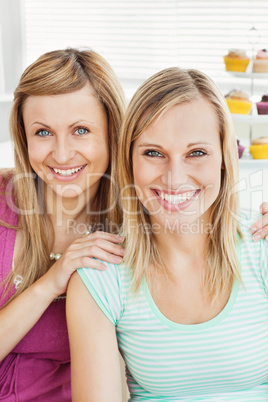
(141, 37)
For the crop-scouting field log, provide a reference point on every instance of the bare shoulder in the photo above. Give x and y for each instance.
(78, 296)
(76, 288)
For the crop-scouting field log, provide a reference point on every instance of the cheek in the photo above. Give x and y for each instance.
(36, 153)
(140, 173)
(145, 175)
(212, 177)
(99, 154)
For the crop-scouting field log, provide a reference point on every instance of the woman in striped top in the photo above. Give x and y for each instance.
(189, 306)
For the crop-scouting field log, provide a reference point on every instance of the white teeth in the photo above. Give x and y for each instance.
(177, 198)
(67, 172)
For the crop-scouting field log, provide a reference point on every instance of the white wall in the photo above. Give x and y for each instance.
(11, 27)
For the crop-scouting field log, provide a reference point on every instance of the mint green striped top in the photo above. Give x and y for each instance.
(224, 359)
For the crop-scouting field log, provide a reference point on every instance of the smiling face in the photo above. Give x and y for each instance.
(67, 137)
(177, 164)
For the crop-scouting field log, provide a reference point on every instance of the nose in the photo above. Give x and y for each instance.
(175, 175)
(63, 150)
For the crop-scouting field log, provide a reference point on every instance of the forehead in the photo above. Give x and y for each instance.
(85, 94)
(82, 104)
(197, 118)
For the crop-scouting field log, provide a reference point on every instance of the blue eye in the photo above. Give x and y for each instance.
(153, 154)
(81, 131)
(197, 153)
(43, 133)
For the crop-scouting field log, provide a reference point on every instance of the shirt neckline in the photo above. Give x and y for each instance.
(194, 327)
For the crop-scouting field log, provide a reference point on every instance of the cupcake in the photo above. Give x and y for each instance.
(260, 63)
(238, 102)
(240, 149)
(259, 148)
(262, 106)
(260, 141)
(236, 60)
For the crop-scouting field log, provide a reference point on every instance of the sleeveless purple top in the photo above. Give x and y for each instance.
(38, 368)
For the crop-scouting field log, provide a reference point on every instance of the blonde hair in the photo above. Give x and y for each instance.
(54, 73)
(158, 94)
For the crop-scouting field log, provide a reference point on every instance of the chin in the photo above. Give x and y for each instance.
(68, 192)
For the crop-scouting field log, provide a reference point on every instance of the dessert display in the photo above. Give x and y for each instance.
(236, 60)
(259, 148)
(262, 106)
(260, 63)
(238, 102)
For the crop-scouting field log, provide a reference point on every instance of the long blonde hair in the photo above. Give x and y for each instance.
(158, 94)
(54, 73)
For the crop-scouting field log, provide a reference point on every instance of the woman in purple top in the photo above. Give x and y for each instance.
(67, 111)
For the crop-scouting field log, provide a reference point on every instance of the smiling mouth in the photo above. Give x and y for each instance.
(176, 199)
(67, 172)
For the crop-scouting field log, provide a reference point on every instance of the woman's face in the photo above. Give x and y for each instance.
(67, 138)
(177, 165)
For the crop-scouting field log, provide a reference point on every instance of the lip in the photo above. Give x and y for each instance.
(175, 207)
(66, 178)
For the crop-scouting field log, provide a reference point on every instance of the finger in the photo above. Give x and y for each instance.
(86, 262)
(264, 208)
(112, 248)
(259, 224)
(261, 234)
(95, 251)
(102, 235)
(260, 228)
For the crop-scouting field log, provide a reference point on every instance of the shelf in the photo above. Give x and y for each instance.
(251, 118)
(254, 163)
(248, 75)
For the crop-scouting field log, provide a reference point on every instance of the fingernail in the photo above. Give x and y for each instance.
(122, 250)
(104, 267)
(117, 259)
(120, 237)
(253, 230)
(256, 237)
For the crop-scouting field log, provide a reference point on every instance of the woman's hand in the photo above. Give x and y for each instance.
(83, 253)
(260, 228)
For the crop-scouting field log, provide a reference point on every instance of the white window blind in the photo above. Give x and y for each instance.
(141, 37)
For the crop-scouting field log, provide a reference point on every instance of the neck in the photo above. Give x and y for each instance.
(187, 247)
(62, 209)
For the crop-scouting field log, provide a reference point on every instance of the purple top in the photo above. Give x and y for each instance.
(38, 368)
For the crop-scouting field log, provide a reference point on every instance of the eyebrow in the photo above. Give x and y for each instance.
(192, 144)
(188, 146)
(70, 126)
(41, 124)
(150, 145)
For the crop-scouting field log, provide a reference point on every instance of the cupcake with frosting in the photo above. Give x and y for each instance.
(260, 63)
(236, 60)
(259, 148)
(238, 102)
